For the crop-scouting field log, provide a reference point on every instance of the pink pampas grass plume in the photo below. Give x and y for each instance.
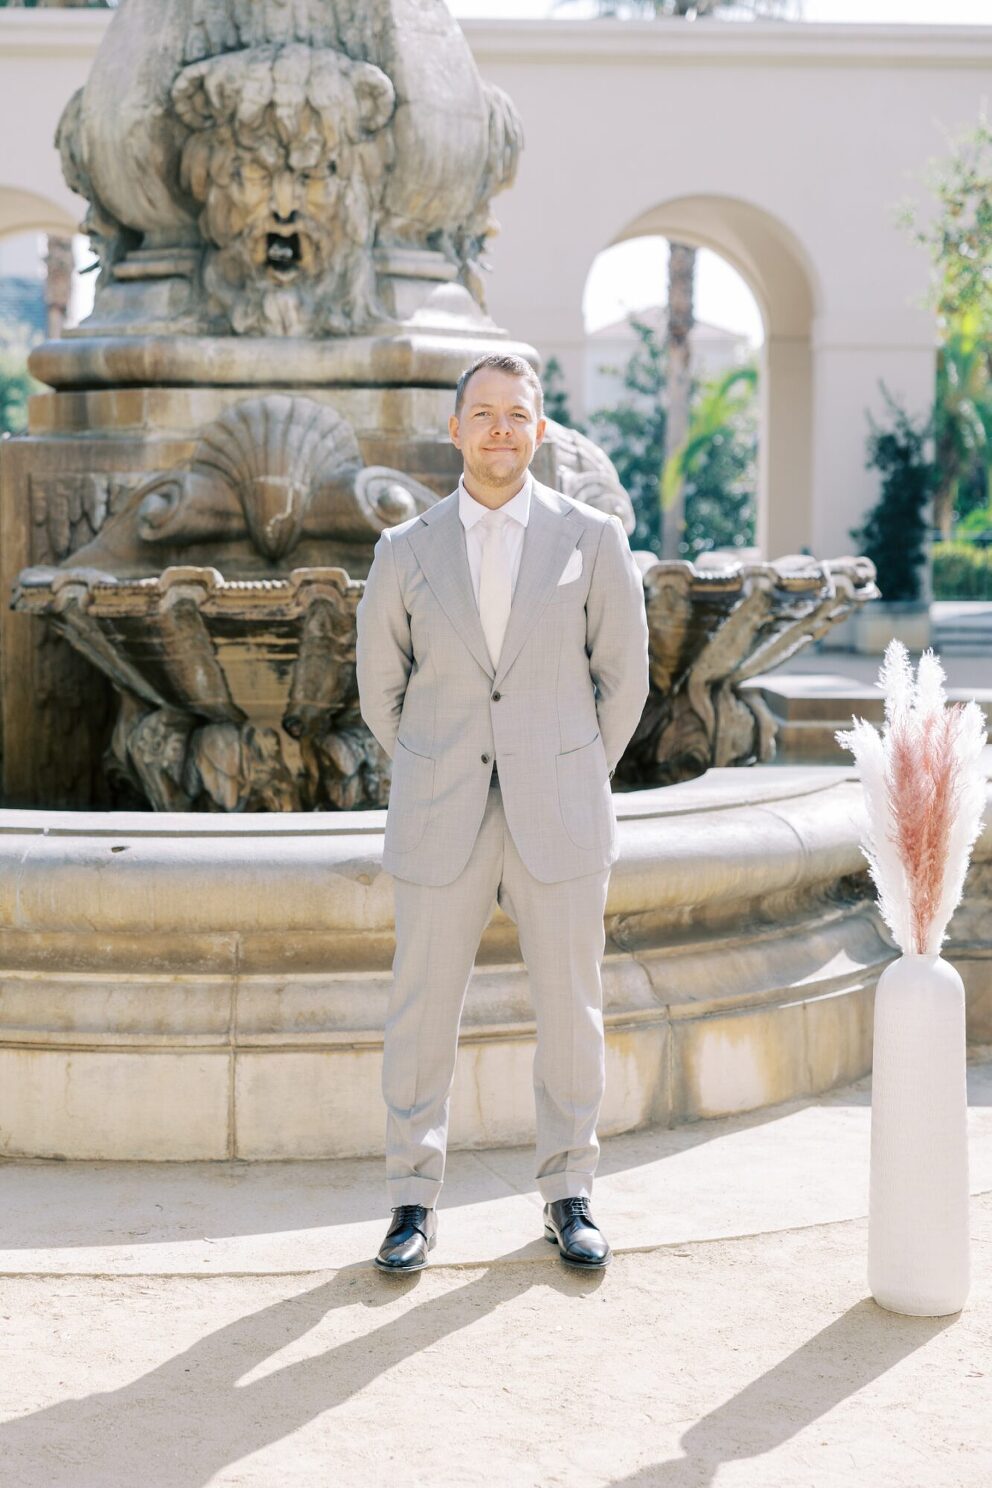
(924, 790)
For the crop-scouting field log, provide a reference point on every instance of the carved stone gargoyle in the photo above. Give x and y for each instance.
(269, 167)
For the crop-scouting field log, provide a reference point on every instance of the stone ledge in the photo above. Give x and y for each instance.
(219, 988)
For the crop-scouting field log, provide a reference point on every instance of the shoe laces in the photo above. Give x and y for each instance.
(576, 1207)
(409, 1213)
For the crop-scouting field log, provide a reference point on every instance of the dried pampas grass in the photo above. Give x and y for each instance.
(924, 790)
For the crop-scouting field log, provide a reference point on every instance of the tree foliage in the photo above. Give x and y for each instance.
(716, 466)
(556, 402)
(633, 433)
(957, 237)
(719, 456)
(16, 386)
(894, 532)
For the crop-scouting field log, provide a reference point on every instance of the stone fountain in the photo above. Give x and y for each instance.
(291, 204)
(290, 201)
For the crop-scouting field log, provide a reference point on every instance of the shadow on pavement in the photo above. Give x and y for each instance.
(843, 1358)
(180, 1424)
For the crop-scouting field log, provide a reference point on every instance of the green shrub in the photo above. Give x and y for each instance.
(962, 570)
(894, 532)
(16, 386)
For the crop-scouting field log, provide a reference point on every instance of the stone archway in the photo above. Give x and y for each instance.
(26, 212)
(778, 272)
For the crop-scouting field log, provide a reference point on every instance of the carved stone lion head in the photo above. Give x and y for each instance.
(287, 153)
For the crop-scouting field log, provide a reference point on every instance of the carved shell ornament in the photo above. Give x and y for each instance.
(268, 455)
(276, 466)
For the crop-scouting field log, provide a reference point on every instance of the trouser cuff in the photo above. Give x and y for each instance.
(565, 1186)
(413, 1191)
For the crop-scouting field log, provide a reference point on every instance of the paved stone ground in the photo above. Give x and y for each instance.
(172, 1326)
(184, 1325)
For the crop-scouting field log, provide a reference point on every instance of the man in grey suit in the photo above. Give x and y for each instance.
(502, 665)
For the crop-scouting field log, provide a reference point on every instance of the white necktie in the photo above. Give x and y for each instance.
(495, 586)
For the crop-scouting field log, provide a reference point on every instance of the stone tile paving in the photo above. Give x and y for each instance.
(748, 1360)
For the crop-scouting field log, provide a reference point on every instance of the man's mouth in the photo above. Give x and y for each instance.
(283, 252)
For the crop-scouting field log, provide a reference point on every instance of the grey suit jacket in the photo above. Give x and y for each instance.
(556, 715)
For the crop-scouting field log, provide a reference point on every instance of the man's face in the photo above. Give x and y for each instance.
(498, 430)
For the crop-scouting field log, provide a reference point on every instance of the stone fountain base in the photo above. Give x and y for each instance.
(178, 987)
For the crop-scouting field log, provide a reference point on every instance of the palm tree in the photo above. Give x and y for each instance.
(720, 404)
(682, 258)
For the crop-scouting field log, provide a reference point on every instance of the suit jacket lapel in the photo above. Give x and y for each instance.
(438, 541)
(549, 539)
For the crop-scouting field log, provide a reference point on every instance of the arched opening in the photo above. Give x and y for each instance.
(24, 211)
(776, 273)
(44, 288)
(628, 325)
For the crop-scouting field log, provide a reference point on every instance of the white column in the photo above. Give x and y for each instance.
(785, 512)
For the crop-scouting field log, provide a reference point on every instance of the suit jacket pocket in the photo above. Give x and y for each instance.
(410, 796)
(583, 789)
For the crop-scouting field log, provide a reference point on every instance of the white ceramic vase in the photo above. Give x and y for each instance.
(918, 1233)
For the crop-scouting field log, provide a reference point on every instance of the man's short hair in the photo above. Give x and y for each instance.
(501, 361)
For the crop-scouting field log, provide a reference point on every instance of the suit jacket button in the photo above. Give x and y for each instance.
(497, 696)
(485, 759)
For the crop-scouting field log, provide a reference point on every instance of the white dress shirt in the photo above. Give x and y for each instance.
(472, 513)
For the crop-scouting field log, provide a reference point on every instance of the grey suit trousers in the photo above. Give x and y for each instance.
(438, 929)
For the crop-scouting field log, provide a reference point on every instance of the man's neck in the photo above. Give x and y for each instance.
(492, 496)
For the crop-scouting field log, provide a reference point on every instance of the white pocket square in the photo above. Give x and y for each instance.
(572, 569)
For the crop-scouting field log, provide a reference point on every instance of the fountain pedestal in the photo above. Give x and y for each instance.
(291, 206)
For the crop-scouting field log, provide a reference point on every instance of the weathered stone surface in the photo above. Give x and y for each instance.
(291, 202)
(243, 162)
(239, 968)
(216, 597)
(710, 632)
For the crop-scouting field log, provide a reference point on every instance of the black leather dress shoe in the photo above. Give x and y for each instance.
(569, 1225)
(412, 1233)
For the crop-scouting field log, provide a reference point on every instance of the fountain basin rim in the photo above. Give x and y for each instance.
(42, 591)
(228, 978)
(421, 358)
(38, 587)
(718, 790)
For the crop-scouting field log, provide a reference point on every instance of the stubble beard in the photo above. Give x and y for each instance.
(509, 477)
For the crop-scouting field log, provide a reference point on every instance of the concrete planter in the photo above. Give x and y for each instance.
(869, 630)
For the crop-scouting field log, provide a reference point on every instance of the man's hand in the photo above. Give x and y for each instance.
(617, 640)
(384, 650)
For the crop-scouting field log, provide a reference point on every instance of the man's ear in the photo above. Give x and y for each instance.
(540, 431)
(453, 430)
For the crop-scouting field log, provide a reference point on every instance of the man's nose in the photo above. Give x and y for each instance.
(284, 196)
(503, 425)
